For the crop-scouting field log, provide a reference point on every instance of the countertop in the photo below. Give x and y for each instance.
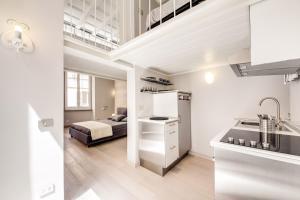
(215, 143)
(147, 120)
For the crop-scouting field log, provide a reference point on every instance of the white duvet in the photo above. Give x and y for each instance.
(166, 9)
(98, 129)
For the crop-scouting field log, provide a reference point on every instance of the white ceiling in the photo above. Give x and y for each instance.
(80, 64)
(204, 37)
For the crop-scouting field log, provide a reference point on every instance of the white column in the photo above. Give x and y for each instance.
(132, 129)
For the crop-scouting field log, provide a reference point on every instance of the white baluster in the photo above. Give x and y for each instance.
(111, 23)
(72, 28)
(149, 14)
(95, 22)
(104, 22)
(123, 19)
(140, 18)
(160, 11)
(83, 32)
(174, 7)
(117, 22)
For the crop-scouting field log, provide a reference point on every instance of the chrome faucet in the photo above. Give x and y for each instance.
(278, 108)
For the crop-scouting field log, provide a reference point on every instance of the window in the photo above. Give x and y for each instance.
(77, 91)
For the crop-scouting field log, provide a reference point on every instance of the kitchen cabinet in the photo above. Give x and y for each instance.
(275, 30)
(158, 144)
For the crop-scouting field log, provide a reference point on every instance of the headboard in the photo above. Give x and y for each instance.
(122, 111)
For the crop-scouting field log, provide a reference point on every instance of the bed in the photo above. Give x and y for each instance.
(168, 11)
(84, 135)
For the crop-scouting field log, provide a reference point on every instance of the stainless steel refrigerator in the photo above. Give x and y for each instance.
(184, 123)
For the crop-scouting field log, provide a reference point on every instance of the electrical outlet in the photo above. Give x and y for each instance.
(46, 123)
(46, 191)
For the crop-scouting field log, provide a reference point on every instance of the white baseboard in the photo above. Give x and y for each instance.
(132, 164)
(201, 155)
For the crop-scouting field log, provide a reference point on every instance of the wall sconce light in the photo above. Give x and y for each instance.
(209, 77)
(17, 38)
(113, 93)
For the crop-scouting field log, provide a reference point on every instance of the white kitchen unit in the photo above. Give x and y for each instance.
(158, 144)
(275, 30)
(176, 104)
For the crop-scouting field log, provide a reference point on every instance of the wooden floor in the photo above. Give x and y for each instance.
(102, 173)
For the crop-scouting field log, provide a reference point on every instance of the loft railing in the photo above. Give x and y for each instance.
(107, 24)
(165, 10)
(95, 22)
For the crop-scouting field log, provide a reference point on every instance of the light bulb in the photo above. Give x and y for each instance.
(209, 77)
(18, 29)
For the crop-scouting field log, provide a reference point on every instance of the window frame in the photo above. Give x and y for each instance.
(78, 107)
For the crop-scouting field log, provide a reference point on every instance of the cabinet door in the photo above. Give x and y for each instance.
(171, 143)
(275, 30)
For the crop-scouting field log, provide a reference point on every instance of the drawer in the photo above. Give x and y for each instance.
(171, 127)
(171, 146)
(171, 133)
(172, 154)
(171, 137)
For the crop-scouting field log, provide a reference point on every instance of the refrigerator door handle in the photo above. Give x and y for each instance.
(179, 119)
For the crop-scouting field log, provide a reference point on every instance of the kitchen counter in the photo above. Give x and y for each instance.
(147, 120)
(293, 159)
(158, 144)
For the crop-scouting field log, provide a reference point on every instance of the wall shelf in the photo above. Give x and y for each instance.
(149, 92)
(156, 81)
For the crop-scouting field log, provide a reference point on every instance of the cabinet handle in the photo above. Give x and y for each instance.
(172, 132)
(172, 147)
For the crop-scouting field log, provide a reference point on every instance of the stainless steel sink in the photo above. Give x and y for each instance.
(255, 125)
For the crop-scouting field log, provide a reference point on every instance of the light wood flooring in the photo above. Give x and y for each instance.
(102, 173)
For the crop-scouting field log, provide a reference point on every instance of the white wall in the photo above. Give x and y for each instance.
(145, 100)
(214, 106)
(120, 94)
(295, 101)
(72, 116)
(31, 88)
